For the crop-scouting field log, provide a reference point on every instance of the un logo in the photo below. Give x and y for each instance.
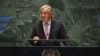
(50, 52)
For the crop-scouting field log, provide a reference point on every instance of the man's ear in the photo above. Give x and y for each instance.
(50, 14)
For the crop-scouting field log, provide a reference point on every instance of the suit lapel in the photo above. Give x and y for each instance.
(42, 31)
(51, 29)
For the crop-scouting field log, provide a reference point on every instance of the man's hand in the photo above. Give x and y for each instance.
(35, 38)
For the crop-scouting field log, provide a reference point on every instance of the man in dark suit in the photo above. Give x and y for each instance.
(47, 28)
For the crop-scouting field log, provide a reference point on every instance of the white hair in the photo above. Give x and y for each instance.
(46, 6)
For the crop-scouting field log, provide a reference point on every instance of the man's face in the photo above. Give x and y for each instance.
(45, 15)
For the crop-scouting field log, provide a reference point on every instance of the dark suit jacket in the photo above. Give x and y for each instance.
(57, 31)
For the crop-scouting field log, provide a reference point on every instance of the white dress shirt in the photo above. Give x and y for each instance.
(49, 26)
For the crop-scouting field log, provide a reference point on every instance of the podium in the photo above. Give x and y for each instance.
(49, 51)
(67, 41)
(48, 40)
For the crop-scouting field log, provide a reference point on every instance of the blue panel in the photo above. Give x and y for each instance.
(3, 22)
(4, 17)
(1, 30)
(98, 20)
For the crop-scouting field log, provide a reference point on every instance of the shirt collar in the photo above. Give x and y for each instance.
(49, 22)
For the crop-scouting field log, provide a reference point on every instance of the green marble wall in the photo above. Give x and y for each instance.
(77, 16)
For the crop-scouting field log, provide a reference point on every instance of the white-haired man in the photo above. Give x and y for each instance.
(47, 28)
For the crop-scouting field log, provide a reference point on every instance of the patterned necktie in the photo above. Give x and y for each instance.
(46, 31)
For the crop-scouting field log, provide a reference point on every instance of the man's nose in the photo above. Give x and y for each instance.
(42, 14)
